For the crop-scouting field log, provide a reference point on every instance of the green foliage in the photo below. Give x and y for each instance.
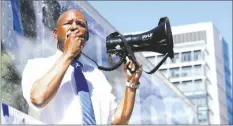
(11, 92)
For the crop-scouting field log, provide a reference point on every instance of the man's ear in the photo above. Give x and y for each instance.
(55, 32)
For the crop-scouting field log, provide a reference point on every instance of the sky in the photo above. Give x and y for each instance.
(134, 16)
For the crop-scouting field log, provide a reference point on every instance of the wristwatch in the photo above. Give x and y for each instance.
(132, 85)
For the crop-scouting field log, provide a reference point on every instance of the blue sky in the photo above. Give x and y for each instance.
(133, 16)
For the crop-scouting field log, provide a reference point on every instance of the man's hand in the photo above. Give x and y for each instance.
(74, 43)
(132, 77)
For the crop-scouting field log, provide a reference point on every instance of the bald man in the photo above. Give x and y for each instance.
(49, 83)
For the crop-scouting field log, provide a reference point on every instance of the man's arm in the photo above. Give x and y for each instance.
(44, 89)
(124, 110)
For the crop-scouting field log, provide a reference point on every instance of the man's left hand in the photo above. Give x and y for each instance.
(132, 77)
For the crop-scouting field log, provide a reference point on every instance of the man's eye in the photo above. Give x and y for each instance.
(69, 22)
(80, 24)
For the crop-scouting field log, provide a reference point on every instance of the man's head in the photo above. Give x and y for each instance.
(70, 20)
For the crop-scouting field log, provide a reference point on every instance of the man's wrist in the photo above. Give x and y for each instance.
(67, 57)
(133, 85)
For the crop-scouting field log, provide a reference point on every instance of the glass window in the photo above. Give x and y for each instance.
(186, 71)
(201, 102)
(179, 86)
(198, 85)
(164, 72)
(187, 86)
(197, 70)
(151, 59)
(176, 58)
(197, 55)
(176, 84)
(203, 116)
(174, 72)
(230, 117)
(186, 57)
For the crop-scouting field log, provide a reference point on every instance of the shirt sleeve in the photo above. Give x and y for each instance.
(31, 73)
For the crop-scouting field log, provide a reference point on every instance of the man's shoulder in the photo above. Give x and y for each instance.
(39, 63)
(39, 60)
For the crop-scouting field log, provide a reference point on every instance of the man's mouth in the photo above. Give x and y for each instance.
(69, 32)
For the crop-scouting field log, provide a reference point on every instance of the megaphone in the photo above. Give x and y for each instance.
(157, 40)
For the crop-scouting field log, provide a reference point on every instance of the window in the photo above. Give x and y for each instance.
(159, 58)
(186, 57)
(230, 118)
(228, 90)
(174, 72)
(151, 59)
(199, 86)
(176, 83)
(203, 116)
(164, 72)
(187, 86)
(186, 71)
(197, 70)
(200, 101)
(197, 55)
(176, 58)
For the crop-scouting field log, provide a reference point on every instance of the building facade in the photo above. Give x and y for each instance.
(157, 100)
(200, 69)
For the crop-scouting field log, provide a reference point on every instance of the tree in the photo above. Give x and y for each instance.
(11, 84)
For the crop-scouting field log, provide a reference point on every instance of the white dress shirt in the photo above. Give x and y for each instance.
(64, 108)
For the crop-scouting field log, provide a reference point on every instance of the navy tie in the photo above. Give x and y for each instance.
(88, 117)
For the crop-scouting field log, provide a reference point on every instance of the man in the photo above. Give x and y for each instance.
(50, 84)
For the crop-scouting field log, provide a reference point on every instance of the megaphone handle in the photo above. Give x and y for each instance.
(135, 63)
(129, 53)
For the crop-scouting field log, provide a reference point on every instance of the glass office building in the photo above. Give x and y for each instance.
(228, 82)
(27, 33)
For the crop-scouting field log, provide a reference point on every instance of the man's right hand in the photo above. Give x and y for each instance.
(74, 43)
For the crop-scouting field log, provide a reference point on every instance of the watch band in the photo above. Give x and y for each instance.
(132, 85)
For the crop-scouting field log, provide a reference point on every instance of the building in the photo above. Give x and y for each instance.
(200, 69)
(157, 100)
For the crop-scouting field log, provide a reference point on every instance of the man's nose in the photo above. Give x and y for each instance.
(74, 26)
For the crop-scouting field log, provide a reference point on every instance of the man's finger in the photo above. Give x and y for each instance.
(129, 73)
(132, 66)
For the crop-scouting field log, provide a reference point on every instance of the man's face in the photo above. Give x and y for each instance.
(70, 20)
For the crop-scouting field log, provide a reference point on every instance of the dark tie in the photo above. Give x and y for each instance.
(88, 117)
